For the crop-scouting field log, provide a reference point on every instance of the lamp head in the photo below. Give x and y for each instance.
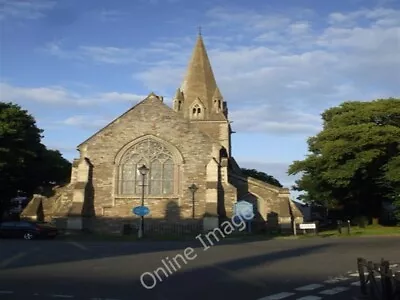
(143, 170)
(193, 188)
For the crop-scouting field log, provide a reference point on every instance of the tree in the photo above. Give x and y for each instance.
(25, 163)
(261, 176)
(354, 162)
(55, 169)
(19, 147)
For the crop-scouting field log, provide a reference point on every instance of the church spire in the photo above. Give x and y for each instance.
(199, 81)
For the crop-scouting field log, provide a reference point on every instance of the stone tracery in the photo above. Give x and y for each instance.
(157, 157)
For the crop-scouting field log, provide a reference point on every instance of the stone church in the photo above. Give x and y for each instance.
(187, 144)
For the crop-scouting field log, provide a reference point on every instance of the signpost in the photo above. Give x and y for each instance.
(245, 210)
(307, 226)
(141, 211)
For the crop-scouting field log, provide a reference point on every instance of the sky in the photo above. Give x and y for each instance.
(76, 65)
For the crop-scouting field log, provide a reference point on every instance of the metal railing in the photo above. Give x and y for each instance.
(378, 281)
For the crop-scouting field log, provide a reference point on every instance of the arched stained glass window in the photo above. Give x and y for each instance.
(154, 155)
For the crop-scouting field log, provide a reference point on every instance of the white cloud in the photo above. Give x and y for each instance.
(113, 55)
(110, 15)
(380, 16)
(304, 66)
(165, 77)
(57, 95)
(109, 55)
(276, 169)
(24, 9)
(45, 95)
(247, 19)
(115, 96)
(275, 69)
(273, 119)
(299, 28)
(55, 49)
(85, 121)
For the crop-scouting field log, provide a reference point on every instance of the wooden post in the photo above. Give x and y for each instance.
(397, 285)
(384, 270)
(372, 282)
(360, 267)
(389, 284)
(339, 224)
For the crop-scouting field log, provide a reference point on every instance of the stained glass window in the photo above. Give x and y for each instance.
(160, 178)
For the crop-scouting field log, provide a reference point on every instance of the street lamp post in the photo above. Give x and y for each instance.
(143, 171)
(193, 188)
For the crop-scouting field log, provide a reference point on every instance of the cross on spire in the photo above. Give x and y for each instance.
(199, 30)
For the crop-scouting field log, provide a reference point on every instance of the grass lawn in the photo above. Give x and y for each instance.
(370, 230)
(120, 238)
(237, 236)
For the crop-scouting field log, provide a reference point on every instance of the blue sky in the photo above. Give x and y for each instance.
(76, 65)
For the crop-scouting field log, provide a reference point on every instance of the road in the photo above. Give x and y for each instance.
(306, 269)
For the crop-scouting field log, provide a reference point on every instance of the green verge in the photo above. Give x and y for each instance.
(355, 231)
(372, 230)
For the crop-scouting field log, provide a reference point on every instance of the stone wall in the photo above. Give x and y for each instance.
(218, 130)
(230, 198)
(273, 207)
(153, 118)
(151, 226)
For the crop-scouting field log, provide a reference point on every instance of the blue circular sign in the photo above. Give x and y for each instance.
(141, 211)
(244, 209)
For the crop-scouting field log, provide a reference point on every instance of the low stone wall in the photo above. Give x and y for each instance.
(157, 227)
(152, 226)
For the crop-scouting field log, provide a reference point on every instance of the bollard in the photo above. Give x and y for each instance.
(389, 287)
(371, 267)
(397, 283)
(348, 226)
(384, 270)
(360, 267)
(339, 224)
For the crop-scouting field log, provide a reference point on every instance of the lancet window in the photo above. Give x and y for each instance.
(196, 111)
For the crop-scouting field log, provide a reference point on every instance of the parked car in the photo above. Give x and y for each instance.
(27, 229)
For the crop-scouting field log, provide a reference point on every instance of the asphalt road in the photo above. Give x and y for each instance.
(308, 269)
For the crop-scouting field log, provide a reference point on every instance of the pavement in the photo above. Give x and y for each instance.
(306, 269)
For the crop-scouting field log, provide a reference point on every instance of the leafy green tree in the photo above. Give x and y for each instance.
(25, 163)
(354, 162)
(19, 147)
(55, 169)
(261, 176)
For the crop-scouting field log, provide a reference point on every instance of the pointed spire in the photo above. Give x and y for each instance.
(178, 94)
(217, 94)
(199, 80)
